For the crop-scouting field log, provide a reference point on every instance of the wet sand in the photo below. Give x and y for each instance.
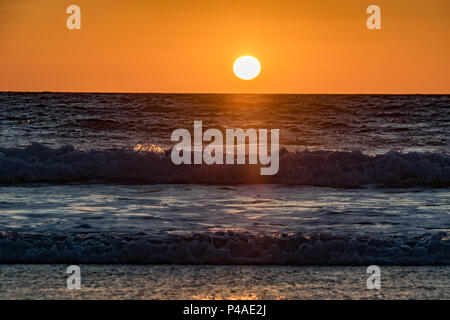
(221, 282)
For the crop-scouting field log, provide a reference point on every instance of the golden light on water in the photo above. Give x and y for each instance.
(242, 296)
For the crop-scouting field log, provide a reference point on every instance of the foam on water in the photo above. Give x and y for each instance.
(204, 224)
(225, 248)
(38, 163)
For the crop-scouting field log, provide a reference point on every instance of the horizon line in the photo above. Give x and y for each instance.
(222, 93)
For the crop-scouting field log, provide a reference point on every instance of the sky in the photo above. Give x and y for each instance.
(190, 46)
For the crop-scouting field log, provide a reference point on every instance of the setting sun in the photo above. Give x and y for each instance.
(246, 67)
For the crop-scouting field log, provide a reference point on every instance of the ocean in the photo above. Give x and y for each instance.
(86, 178)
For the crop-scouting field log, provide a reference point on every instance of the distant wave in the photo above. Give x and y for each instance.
(38, 163)
(224, 248)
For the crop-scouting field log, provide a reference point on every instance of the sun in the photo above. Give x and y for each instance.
(246, 67)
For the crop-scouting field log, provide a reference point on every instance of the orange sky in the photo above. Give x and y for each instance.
(190, 46)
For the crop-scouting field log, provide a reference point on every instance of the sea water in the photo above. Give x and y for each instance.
(87, 178)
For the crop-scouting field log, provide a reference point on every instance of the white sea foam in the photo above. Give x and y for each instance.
(225, 248)
(38, 163)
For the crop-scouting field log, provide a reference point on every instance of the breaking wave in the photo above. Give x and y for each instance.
(38, 163)
(225, 248)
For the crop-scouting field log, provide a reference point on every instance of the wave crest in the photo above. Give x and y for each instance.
(38, 163)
